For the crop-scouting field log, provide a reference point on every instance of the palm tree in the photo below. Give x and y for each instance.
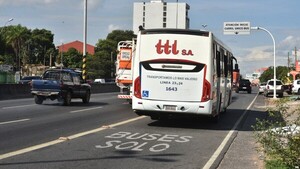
(16, 36)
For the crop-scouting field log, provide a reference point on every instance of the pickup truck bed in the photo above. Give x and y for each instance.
(60, 84)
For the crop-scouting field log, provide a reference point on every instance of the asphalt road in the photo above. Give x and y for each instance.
(107, 134)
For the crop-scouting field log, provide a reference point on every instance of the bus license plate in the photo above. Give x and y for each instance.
(170, 107)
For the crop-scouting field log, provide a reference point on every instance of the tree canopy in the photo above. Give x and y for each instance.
(24, 46)
(102, 64)
(20, 45)
(281, 74)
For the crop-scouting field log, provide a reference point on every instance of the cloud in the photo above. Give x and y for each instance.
(289, 43)
(92, 4)
(112, 27)
(261, 53)
(95, 3)
(22, 2)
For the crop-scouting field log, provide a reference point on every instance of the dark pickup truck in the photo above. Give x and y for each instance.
(60, 84)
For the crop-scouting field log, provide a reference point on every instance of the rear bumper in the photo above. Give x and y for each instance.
(45, 93)
(244, 88)
(272, 91)
(152, 106)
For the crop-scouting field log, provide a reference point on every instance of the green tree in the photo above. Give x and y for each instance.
(41, 41)
(72, 58)
(16, 36)
(102, 64)
(281, 74)
(20, 46)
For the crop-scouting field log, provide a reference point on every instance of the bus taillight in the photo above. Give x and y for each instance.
(137, 87)
(206, 91)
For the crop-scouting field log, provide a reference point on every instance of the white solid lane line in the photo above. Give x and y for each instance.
(75, 111)
(14, 121)
(226, 139)
(43, 145)
(12, 107)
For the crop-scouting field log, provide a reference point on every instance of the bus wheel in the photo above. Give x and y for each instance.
(154, 117)
(215, 119)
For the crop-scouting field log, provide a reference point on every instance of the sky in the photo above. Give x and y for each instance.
(64, 18)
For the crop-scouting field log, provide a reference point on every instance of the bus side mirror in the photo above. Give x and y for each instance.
(236, 67)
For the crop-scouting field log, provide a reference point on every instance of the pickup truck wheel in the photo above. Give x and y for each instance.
(87, 96)
(38, 99)
(67, 99)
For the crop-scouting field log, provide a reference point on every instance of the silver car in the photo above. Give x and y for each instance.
(262, 87)
(270, 88)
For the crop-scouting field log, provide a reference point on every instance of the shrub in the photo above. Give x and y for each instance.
(279, 134)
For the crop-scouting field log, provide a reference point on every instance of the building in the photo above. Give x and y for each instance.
(78, 46)
(160, 14)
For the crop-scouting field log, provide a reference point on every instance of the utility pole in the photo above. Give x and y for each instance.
(289, 61)
(295, 55)
(84, 41)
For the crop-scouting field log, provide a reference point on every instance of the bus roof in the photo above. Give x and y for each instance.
(176, 31)
(185, 32)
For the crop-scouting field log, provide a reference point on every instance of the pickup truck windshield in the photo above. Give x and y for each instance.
(55, 75)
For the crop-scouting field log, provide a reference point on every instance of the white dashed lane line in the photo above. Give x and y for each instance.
(93, 108)
(47, 144)
(14, 121)
(13, 107)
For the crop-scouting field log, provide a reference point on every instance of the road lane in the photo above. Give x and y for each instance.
(51, 121)
(176, 143)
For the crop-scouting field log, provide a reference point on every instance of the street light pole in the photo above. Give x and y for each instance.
(274, 49)
(11, 19)
(84, 41)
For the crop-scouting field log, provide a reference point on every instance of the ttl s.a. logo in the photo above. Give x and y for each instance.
(168, 49)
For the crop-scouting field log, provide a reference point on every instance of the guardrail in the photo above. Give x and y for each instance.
(16, 91)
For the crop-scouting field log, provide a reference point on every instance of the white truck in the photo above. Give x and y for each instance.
(126, 50)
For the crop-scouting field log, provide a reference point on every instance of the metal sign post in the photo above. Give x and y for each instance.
(243, 28)
(274, 49)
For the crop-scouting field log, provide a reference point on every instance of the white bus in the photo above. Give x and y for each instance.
(178, 71)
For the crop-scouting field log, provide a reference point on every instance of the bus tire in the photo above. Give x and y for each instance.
(215, 119)
(139, 113)
(154, 117)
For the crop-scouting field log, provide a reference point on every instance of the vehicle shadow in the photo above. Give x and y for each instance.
(227, 121)
(75, 104)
